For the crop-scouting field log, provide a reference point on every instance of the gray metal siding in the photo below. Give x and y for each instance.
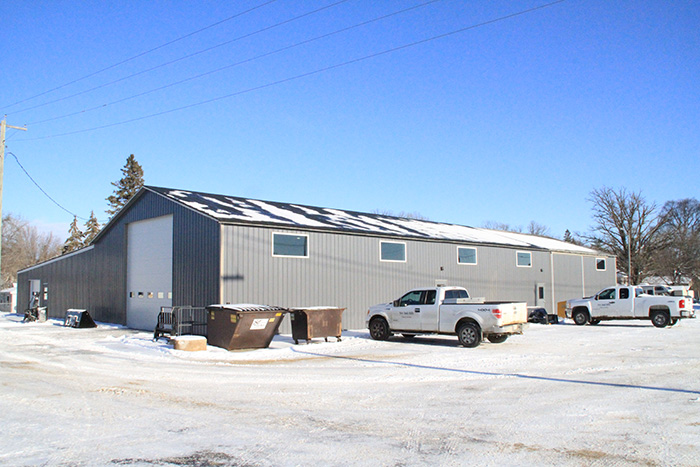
(345, 271)
(576, 276)
(69, 284)
(96, 279)
(196, 257)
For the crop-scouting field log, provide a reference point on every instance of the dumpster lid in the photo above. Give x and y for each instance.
(245, 307)
(311, 308)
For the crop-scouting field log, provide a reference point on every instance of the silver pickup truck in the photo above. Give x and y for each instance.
(447, 310)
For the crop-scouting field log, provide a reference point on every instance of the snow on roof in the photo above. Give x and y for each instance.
(235, 210)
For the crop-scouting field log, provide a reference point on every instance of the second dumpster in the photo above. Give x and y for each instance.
(308, 323)
(243, 326)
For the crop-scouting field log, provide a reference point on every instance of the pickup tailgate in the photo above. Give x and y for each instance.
(512, 313)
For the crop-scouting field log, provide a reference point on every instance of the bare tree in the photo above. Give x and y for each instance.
(533, 228)
(493, 225)
(23, 246)
(625, 223)
(402, 214)
(679, 256)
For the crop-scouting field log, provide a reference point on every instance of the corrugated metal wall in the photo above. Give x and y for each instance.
(96, 279)
(345, 271)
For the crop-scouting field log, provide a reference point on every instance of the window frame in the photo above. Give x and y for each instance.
(272, 246)
(405, 252)
(517, 262)
(476, 256)
(605, 264)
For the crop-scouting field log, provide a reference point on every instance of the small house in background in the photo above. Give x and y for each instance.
(8, 299)
(171, 247)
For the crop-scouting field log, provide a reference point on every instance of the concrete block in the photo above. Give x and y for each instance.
(189, 343)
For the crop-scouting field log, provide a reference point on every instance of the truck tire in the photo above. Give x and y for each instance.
(497, 338)
(580, 317)
(469, 334)
(660, 319)
(673, 321)
(379, 329)
(594, 321)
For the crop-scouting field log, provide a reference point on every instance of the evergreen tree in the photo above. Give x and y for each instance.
(75, 238)
(126, 188)
(92, 228)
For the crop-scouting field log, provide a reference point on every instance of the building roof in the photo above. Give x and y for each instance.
(244, 211)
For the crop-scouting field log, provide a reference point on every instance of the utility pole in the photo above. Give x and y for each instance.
(3, 126)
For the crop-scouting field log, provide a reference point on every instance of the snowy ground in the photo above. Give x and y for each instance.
(620, 393)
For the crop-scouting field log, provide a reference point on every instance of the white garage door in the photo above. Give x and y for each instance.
(149, 271)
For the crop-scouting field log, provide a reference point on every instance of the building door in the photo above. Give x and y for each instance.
(149, 271)
(539, 294)
(34, 292)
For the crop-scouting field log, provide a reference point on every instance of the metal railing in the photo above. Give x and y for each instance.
(181, 321)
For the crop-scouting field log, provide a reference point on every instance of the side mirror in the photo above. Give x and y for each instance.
(396, 303)
(596, 297)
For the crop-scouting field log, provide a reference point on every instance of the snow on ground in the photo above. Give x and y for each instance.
(622, 393)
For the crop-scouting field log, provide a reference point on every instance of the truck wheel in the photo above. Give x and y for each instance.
(673, 321)
(660, 319)
(469, 334)
(580, 317)
(497, 338)
(379, 329)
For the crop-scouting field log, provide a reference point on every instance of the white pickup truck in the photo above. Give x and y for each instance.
(447, 310)
(629, 302)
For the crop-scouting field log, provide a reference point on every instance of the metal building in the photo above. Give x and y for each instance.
(172, 247)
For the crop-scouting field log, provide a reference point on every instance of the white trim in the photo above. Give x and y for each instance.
(551, 274)
(287, 234)
(405, 252)
(517, 252)
(58, 258)
(476, 256)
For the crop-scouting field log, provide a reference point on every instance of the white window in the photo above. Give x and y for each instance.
(523, 259)
(295, 245)
(466, 255)
(600, 264)
(392, 251)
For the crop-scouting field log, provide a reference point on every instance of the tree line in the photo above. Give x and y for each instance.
(23, 245)
(648, 241)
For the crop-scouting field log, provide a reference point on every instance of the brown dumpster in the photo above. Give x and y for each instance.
(308, 323)
(235, 327)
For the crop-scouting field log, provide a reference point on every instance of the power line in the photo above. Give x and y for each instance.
(298, 44)
(245, 36)
(143, 53)
(42, 190)
(307, 74)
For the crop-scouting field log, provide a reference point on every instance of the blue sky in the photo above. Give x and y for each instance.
(512, 121)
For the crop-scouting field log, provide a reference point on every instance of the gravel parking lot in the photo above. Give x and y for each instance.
(622, 393)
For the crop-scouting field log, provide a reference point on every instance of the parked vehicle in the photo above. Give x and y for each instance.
(629, 302)
(539, 315)
(447, 310)
(656, 289)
